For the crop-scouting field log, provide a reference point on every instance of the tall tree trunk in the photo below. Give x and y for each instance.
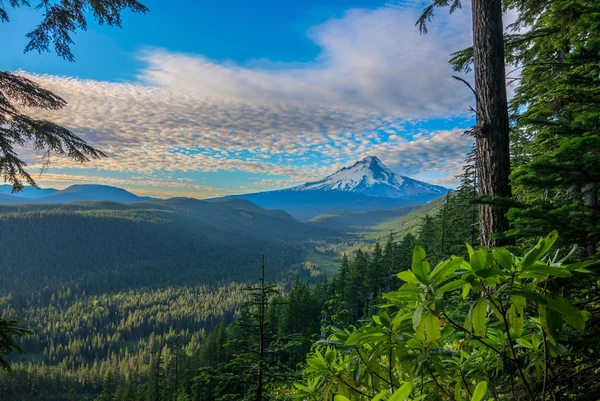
(492, 139)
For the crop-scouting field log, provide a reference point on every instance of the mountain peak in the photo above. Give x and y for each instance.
(370, 176)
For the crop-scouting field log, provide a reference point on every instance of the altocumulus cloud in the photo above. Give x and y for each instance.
(186, 113)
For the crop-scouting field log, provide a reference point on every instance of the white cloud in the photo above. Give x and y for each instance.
(188, 113)
(372, 60)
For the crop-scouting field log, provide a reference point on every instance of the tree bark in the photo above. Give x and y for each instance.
(492, 139)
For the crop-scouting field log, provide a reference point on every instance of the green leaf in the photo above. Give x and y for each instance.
(480, 260)
(551, 321)
(524, 343)
(580, 267)
(408, 292)
(420, 266)
(416, 318)
(549, 270)
(446, 269)
(518, 301)
(458, 390)
(488, 272)
(330, 356)
(504, 258)
(515, 318)
(340, 398)
(379, 396)
(470, 251)
(542, 247)
(408, 277)
(402, 393)
(479, 317)
(432, 327)
(451, 286)
(479, 391)
(356, 373)
(465, 290)
(532, 296)
(562, 306)
(385, 320)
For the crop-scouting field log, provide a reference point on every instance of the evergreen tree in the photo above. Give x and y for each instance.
(60, 20)
(557, 115)
(9, 329)
(428, 235)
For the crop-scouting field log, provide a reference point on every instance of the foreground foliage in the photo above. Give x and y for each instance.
(514, 342)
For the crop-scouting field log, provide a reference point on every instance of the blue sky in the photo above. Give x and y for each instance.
(205, 99)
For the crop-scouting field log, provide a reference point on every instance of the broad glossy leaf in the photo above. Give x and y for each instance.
(465, 290)
(451, 286)
(420, 266)
(385, 319)
(542, 268)
(408, 292)
(480, 259)
(416, 318)
(518, 301)
(524, 343)
(504, 258)
(479, 391)
(532, 296)
(330, 356)
(540, 250)
(563, 306)
(446, 269)
(340, 397)
(379, 396)
(580, 267)
(402, 393)
(551, 321)
(488, 272)
(432, 327)
(408, 277)
(576, 322)
(515, 318)
(479, 317)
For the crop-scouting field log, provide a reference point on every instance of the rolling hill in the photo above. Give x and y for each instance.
(74, 193)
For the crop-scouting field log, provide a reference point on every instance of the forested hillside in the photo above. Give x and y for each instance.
(110, 246)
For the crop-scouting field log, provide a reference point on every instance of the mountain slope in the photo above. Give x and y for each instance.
(347, 221)
(74, 193)
(156, 243)
(27, 192)
(409, 223)
(366, 185)
(371, 177)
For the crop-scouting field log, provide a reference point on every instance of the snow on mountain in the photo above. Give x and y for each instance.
(371, 177)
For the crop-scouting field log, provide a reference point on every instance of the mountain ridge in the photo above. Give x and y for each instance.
(371, 177)
(366, 185)
(73, 193)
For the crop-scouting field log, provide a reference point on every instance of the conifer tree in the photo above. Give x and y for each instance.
(60, 20)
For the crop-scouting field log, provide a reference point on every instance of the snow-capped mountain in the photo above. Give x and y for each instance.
(366, 185)
(371, 177)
